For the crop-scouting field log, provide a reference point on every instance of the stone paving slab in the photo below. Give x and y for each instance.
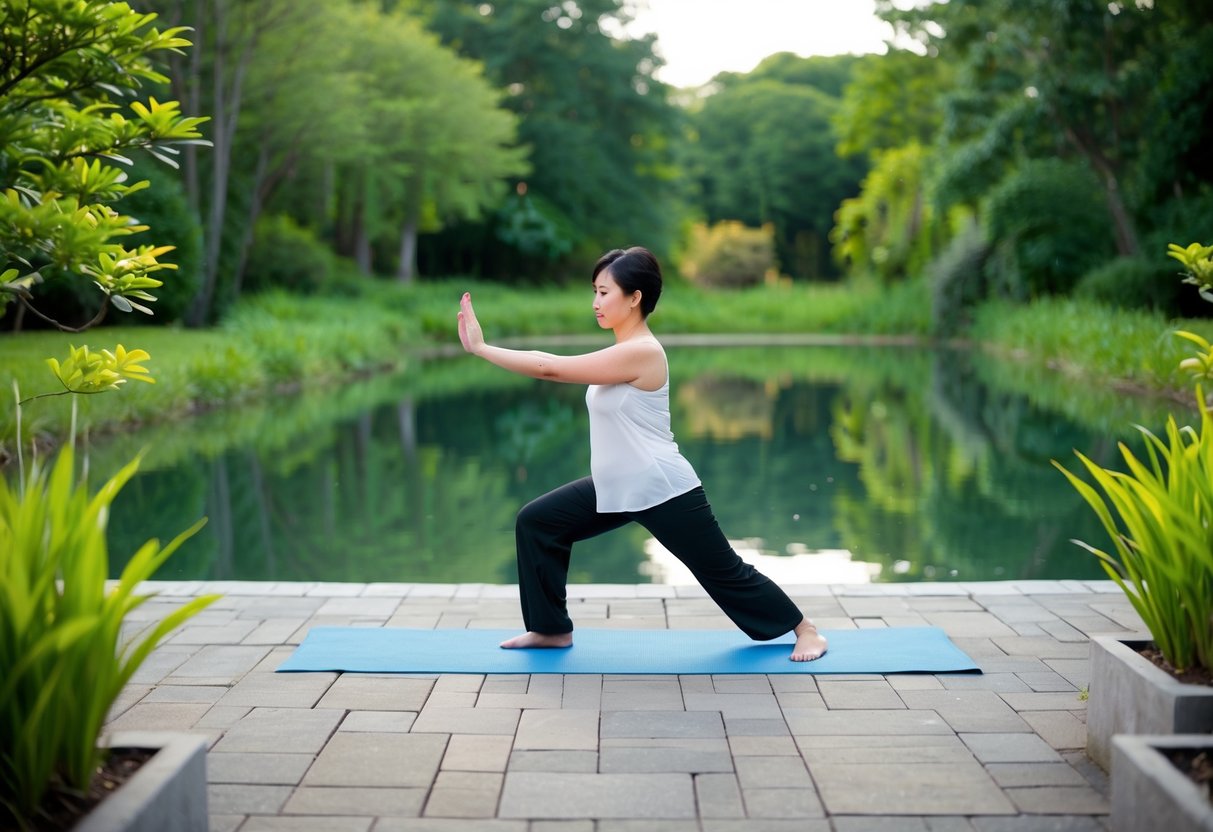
(894, 789)
(386, 760)
(996, 752)
(551, 795)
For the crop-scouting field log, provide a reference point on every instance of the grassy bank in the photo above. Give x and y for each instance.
(276, 343)
(1098, 346)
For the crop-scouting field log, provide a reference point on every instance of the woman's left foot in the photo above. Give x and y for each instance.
(810, 644)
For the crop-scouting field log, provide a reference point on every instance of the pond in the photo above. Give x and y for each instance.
(825, 464)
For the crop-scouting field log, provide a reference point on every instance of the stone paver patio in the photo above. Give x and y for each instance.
(996, 752)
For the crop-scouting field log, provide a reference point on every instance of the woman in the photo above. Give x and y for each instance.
(637, 472)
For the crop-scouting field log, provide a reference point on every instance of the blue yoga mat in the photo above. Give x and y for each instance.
(398, 650)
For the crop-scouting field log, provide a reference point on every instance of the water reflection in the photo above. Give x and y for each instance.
(796, 567)
(832, 464)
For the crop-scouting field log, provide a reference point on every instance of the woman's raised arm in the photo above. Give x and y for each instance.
(617, 364)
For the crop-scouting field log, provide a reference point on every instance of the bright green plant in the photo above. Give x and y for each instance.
(1198, 266)
(61, 647)
(69, 74)
(1162, 554)
(1160, 515)
(1198, 270)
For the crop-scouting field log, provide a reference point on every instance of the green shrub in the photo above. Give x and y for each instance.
(284, 255)
(61, 647)
(1132, 283)
(1048, 222)
(730, 255)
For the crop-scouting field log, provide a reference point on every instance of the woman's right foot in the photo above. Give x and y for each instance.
(810, 644)
(530, 639)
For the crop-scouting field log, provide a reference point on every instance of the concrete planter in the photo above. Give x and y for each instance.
(1129, 695)
(168, 794)
(1149, 793)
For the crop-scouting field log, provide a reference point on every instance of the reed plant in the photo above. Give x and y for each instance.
(63, 656)
(1159, 512)
(1159, 517)
(61, 629)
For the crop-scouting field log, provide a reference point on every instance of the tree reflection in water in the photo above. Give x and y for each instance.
(888, 464)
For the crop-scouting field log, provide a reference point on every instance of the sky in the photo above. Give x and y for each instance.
(699, 38)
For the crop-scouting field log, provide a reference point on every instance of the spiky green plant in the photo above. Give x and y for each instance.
(62, 655)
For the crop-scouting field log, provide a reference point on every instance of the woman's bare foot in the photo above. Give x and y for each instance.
(530, 639)
(810, 644)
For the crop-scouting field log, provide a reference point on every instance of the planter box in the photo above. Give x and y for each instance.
(167, 794)
(1129, 695)
(1149, 793)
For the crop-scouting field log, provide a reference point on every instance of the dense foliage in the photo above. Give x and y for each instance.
(74, 105)
(1072, 129)
(1002, 150)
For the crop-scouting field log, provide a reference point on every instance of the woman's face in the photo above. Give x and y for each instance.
(611, 306)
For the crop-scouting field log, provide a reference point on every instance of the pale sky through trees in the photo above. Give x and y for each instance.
(699, 38)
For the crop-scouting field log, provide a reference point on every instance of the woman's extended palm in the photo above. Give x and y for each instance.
(469, 328)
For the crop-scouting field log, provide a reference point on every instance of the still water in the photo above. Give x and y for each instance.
(825, 464)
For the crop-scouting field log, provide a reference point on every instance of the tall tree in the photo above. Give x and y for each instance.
(1078, 74)
(890, 113)
(764, 152)
(594, 115)
(228, 34)
(436, 124)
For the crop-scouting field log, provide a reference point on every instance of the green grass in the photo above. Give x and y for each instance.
(683, 309)
(269, 344)
(277, 342)
(1099, 345)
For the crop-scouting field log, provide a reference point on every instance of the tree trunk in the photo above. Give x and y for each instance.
(226, 113)
(406, 271)
(362, 245)
(1127, 244)
(254, 213)
(361, 234)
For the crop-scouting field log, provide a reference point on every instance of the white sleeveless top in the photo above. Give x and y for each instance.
(634, 460)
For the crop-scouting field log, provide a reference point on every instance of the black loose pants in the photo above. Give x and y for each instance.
(548, 526)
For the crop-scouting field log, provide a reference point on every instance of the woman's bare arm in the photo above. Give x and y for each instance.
(617, 364)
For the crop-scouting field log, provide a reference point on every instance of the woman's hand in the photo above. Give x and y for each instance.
(469, 328)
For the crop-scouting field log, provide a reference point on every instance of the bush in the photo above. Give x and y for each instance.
(1133, 283)
(957, 280)
(285, 255)
(730, 255)
(1049, 224)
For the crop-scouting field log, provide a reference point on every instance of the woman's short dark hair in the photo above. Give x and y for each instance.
(633, 269)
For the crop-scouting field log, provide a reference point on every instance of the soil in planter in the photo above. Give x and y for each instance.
(62, 809)
(1197, 764)
(1191, 676)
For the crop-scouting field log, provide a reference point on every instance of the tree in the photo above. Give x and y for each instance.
(890, 114)
(70, 79)
(435, 128)
(229, 34)
(829, 74)
(890, 101)
(596, 119)
(765, 153)
(1049, 77)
